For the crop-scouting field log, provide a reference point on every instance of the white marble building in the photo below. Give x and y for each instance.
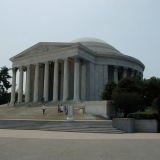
(76, 71)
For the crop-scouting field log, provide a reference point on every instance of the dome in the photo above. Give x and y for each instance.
(88, 39)
(97, 45)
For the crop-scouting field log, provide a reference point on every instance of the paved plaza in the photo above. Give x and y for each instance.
(49, 145)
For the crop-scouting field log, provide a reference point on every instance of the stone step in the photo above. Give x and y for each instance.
(56, 123)
(53, 104)
(84, 130)
(62, 126)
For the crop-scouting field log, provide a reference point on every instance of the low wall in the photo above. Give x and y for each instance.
(146, 126)
(102, 108)
(125, 124)
(131, 125)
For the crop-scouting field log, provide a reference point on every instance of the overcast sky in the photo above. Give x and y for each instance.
(131, 26)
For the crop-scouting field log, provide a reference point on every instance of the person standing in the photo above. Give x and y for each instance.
(66, 110)
(62, 109)
(43, 108)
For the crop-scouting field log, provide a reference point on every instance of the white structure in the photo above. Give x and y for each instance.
(70, 113)
(102, 108)
(74, 71)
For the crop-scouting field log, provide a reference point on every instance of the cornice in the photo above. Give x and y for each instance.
(122, 57)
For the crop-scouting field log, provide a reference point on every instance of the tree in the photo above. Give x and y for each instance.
(132, 94)
(127, 102)
(107, 92)
(156, 104)
(129, 85)
(4, 84)
(151, 90)
(127, 95)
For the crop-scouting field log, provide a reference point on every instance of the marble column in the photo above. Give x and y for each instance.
(76, 80)
(125, 72)
(46, 81)
(137, 73)
(61, 80)
(13, 85)
(36, 82)
(105, 75)
(27, 96)
(20, 89)
(55, 81)
(132, 72)
(91, 96)
(83, 81)
(116, 74)
(65, 80)
(141, 74)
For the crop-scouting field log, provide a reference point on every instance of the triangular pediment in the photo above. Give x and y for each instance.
(42, 47)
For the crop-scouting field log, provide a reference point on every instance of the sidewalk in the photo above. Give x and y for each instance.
(72, 135)
(49, 145)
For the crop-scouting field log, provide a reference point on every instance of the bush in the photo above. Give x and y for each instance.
(127, 102)
(143, 115)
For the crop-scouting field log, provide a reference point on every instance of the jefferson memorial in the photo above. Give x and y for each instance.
(75, 71)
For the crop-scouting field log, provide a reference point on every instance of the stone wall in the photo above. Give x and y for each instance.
(130, 125)
(102, 108)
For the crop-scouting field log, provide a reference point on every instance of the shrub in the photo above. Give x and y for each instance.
(127, 102)
(143, 115)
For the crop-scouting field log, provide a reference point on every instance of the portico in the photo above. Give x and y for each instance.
(74, 71)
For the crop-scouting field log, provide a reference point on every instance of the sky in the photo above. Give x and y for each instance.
(131, 26)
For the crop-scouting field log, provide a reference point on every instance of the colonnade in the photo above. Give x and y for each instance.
(79, 82)
(46, 81)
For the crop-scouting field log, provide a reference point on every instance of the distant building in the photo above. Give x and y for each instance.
(76, 71)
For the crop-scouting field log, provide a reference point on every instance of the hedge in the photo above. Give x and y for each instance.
(143, 115)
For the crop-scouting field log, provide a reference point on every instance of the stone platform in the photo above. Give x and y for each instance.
(61, 126)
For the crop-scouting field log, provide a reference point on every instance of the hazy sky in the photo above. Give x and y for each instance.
(131, 26)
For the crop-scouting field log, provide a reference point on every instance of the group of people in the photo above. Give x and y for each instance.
(62, 109)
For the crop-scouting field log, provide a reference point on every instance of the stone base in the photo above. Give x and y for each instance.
(70, 119)
(146, 126)
(124, 124)
(131, 125)
(101, 108)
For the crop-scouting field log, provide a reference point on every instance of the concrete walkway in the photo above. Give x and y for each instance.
(73, 135)
(49, 145)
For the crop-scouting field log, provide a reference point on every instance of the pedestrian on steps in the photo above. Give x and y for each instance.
(43, 108)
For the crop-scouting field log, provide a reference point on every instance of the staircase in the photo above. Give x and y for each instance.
(62, 126)
(50, 103)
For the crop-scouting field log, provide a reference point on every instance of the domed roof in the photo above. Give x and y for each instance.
(97, 45)
(88, 39)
